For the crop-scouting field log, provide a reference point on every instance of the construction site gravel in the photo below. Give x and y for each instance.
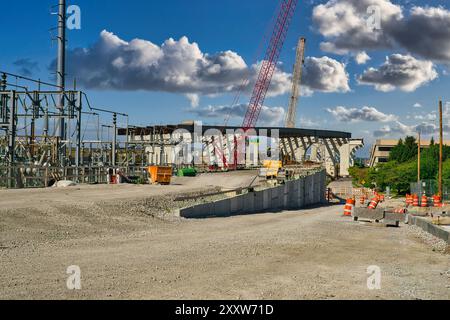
(128, 245)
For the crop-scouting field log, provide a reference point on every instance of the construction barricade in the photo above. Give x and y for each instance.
(374, 203)
(349, 207)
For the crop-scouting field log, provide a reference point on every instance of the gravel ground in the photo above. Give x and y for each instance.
(435, 243)
(126, 251)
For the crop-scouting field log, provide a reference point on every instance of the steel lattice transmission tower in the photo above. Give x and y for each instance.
(296, 82)
(283, 21)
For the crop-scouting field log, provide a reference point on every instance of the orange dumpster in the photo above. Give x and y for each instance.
(160, 175)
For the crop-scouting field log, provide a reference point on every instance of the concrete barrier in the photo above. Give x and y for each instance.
(429, 227)
(295, 194)
(378, 215)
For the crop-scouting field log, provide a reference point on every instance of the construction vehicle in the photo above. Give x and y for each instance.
(270, 169)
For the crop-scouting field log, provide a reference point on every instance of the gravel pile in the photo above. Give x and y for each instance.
(161, 207)
(437, 244)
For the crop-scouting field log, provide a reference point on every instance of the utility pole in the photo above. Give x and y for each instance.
(441, 144)
(61, 74)
(12, 139)
(78, 153)
(114, 143)
(418, 158)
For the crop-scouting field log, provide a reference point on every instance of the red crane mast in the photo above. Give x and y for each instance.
(286, 12)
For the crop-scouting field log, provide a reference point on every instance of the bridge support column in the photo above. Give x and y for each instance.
(347, 155)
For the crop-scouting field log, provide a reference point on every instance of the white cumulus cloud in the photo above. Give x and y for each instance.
(269, 116)
(423, 31)
(179, 66)
(369, 114)
(402, 72)
(362, 57)
(326, 75)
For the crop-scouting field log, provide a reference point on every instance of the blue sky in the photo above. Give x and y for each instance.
(219, 26)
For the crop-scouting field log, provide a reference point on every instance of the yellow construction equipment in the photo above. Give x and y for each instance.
(270, 169)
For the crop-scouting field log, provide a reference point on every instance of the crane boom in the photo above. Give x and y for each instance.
(284, 17)
(296, 82)
(283, 21)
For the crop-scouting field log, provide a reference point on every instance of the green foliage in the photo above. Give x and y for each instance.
(404, 151)
(395, 175)
(359, 163)
(360, 176)
(401, 169)
(446, 170)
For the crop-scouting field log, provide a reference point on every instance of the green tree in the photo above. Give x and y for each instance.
(360, 176)
(396, 175)
(411, 149)
(401, 169)
(446, 170)
(404, 151)
(397, 151)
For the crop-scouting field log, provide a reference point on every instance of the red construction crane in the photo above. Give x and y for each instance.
(286, 12)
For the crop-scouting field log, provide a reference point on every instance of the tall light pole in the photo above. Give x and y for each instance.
(418, 158)
(441, 144)
(61, 72)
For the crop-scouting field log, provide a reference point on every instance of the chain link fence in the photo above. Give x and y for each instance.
(431, 188)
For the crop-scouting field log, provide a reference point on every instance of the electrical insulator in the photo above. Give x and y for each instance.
(4, 108)
(71, 105)
(36, 105)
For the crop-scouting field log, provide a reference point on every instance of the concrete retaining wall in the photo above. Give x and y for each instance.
(295, 194)
(429, 227)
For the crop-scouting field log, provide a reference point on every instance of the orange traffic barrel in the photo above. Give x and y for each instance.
(437, 201)
(400, 210)
(415, 200)
(374, 203)
(424, 202)
(349, 206)
(409, 200)
(362, 200)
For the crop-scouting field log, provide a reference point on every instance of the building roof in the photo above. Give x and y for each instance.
(393, 142)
